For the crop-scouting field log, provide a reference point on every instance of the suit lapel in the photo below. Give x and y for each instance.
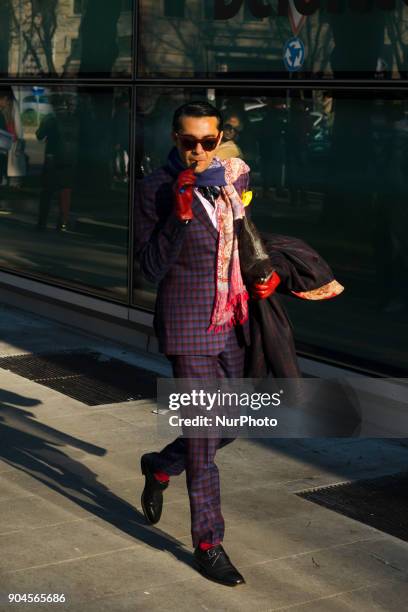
(201, 215)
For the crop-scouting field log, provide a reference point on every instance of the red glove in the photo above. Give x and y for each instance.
(260, 291)
(183, 194)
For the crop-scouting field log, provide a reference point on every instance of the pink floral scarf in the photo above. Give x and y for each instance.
(231, 297)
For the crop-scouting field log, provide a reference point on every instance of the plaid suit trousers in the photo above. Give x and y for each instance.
(196, 455)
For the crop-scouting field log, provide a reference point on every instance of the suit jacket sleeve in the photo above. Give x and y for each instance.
(159, 234)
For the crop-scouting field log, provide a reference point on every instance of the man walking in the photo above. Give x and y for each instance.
(186, 241)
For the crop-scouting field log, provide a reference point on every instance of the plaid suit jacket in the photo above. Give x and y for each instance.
(182, 260)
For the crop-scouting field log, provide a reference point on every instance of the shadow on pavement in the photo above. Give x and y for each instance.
(36, 449)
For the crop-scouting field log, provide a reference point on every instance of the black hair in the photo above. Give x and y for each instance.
(7, 92)
(196, 109)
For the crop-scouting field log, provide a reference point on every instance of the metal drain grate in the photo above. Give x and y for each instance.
(89, 377)
(380, 502)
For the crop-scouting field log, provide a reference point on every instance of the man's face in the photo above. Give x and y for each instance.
(198, 128)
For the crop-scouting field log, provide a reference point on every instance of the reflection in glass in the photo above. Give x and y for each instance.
(174, 8)
(13, 159)
(217, 37)
(65, 39)
(64, 185)
(60, 132)
(329, 168)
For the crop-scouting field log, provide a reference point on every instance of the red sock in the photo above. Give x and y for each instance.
(206, 545)
(162, 476)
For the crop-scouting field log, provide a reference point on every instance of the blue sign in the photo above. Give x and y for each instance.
(294, 54)
(38, 91)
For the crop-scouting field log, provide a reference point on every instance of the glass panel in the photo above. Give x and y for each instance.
(78, 7)
(174, 8)
(66, 39)
(361, 39)
(64, 189)
(331, 169)
(248, 13)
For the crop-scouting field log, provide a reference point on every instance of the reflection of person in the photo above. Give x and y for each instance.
(16, 163)
(3, 151)
(120, 139)
(186, 240)
(327, 103)
(228, 147)
(60, 132)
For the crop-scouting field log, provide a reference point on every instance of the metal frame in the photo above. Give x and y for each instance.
(233, 83)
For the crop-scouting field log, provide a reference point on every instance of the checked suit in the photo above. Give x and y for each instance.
(181, 259)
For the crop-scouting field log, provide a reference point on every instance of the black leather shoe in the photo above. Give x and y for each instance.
(152, 496)
(214, 564)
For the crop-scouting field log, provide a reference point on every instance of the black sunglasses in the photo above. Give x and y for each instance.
(189, 143)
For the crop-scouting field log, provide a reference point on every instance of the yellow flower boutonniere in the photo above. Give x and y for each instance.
(246, 197)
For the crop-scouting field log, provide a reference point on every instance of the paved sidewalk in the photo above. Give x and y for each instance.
(70, 519)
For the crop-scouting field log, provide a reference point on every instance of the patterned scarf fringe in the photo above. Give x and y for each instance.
(238, 306)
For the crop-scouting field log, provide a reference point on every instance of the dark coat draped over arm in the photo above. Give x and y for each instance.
(304, 275)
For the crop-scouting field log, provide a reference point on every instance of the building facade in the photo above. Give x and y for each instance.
(318, 90)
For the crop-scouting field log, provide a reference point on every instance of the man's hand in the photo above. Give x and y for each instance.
(260, 291)
(183, 194)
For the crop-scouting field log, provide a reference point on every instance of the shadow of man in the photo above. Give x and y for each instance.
(36, 449)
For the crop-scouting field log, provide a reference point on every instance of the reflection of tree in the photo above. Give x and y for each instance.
(196, 44)
(397, 29)
(29, 29)
(35, 23)
(189, 38)
(44, 24)
(319, 40)
(5, 36)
